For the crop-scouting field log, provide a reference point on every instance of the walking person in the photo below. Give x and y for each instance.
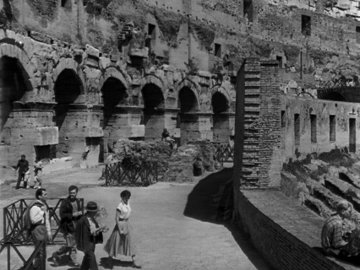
(22, 167)
(37, 224)
(120, 242)
(70, 213)
(88, 233)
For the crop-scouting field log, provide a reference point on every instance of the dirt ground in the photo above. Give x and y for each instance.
(174, 224)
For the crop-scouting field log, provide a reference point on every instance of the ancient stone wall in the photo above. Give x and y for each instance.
(322, 125)
(73, 96)
(276, 127)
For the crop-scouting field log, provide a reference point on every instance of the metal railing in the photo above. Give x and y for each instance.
(143, 174)
(15, 234)
(224, 152)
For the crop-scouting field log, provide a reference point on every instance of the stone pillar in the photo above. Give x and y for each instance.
(195, 126)
(80, 124)
(258, 127)
(123, 124)
(222, 127)
(171, 121)
(29, 125)
(154, 124)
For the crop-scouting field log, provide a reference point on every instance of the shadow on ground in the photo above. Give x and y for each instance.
(109, 263)
(211, 200)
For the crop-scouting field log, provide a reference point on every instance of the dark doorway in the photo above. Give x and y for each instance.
(221, 131)
(12, 86)
(297, 128)
(352, 135)
(113, 92)
(154, 120)
(187, 100)
(67, 89)
(187, 103)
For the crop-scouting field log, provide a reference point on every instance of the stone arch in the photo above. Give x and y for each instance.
(220, 100)
(16, 51)
(220, 103)
(13, 87)
(153, 115)
(113, 93)
(69, 64)
(155, 80)
(195, 88)
(114, 73)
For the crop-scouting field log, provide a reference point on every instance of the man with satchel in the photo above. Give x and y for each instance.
(37, 224)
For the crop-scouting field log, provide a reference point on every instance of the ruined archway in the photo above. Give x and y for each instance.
(153, 120)
(114, 118)
(68, 88)
(220, 106)
(13, 86)
(188, 120)
(113, 92)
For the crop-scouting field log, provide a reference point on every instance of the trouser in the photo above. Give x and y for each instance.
(39, 262)
(89, 260)
(20, 178)
(69, 247)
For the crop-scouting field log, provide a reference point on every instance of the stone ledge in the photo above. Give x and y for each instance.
(285, 238)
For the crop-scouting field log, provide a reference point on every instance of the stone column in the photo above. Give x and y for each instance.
(80, 124)
(222, 127)
(29, 125)
(195, 126)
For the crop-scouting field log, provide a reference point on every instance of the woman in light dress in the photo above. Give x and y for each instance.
(119, 242)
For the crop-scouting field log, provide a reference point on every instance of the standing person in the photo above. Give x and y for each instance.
(88, 233)
(120, 242)
(37, 222)
(37, 175)
(22, 167)
(332, 234)
(70, 213)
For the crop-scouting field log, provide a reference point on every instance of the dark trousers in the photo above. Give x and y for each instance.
(39, 238)
(89, 260)
(20, 178)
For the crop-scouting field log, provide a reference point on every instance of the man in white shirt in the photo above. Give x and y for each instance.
(40, 225)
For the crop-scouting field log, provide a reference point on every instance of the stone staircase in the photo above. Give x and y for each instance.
(252, 135)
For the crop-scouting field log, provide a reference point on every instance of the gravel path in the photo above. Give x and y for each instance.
(165, 237)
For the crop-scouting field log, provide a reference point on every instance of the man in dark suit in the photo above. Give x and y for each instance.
(88, 233)
(22, 167)
(70, 213)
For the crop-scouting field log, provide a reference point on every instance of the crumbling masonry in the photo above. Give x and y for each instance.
(77, 75)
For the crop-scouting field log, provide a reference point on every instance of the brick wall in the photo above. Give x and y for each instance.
(260, 137)
(280, 248)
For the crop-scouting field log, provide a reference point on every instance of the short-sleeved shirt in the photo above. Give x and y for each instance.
(124, 210)
(332, 233)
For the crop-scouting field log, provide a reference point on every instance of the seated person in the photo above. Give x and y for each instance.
(333, 235)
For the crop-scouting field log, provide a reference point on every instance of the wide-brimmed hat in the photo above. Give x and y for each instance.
(92, 207)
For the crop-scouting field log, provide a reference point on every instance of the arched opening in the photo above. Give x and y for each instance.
(221, 128)
(12, 87)
(67, 89)
(187, 100)
(113, 93)
(188, 120)
(153, 111)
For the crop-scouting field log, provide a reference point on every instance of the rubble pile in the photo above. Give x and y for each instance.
(320, 181)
